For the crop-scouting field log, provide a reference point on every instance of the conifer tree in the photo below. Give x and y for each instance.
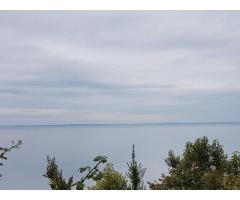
(135, 173)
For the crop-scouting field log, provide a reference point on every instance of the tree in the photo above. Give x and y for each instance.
(92, 173)
(55, 176)
(5, 150)
(234, 164)
(231, 180)
(135, 173)
(111, 180)
(202, 166)
(57, 182)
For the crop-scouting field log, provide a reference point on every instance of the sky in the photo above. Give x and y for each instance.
(61, 67)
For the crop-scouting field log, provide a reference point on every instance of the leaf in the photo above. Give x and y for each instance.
(83, 169)
(98, 177)
(102, 159)
(80, 186)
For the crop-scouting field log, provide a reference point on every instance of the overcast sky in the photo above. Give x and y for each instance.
(119, 67)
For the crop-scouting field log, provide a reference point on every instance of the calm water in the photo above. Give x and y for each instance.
(75, 146)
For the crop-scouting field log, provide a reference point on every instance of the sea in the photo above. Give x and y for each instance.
(76, 145)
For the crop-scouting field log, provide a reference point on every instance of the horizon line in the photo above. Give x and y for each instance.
(127, 124)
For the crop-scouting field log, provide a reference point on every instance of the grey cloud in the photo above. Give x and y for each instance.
(106, 63)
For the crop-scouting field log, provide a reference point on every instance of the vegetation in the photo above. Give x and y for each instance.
(107, 179)
(92, 173)
(135, 173)
(57, 182)
(202, 166)
(55, 176)
(111, 180)
(5, 150)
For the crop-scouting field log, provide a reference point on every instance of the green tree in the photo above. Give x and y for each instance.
(55, 176)
(234, 164)
(135, 173)
(5, 150)
(111, 180)
(57, 182)
(202, 166)
(231, 180)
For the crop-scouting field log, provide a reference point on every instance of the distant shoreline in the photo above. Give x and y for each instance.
(125, 124)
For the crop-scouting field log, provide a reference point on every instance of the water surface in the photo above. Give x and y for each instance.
(76, 145)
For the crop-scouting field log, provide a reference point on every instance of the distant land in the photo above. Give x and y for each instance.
(127, 124)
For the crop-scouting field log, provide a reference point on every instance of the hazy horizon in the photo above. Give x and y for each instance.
(128, 124)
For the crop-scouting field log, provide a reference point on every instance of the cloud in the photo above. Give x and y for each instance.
(86, 66)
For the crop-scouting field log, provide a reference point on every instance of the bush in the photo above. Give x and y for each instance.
(111, 180)
(202, 166)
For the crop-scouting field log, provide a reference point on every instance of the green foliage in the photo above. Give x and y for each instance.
(234, 164)
(204, 157)
(111, 180)
(202, 166)
(231, 182)
(55, 176)
(212, 181)
(57, 182)
(135, 173)
(5, 150)
(92, 173)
